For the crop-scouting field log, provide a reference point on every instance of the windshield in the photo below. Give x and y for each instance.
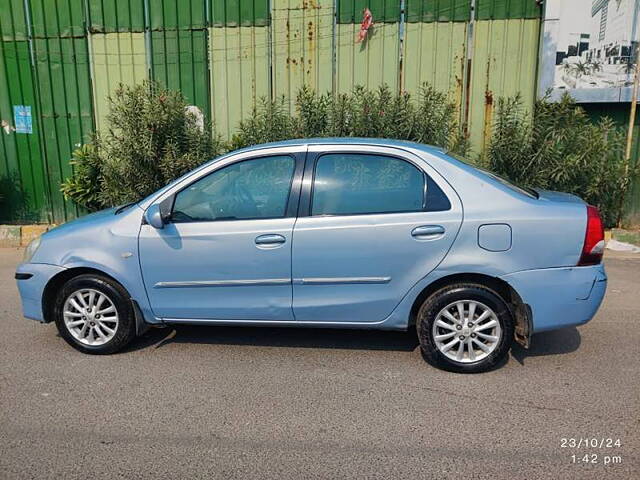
(529, 192)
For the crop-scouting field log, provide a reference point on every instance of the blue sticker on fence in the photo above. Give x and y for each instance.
(22, 118)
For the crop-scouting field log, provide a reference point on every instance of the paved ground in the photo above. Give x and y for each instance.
(282, 403)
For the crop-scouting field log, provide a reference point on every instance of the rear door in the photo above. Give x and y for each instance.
(372, 222)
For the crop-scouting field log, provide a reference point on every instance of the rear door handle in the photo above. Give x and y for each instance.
(427, 231)
(270, 239)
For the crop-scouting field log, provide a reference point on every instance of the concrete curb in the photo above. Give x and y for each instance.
(627, 236)
(20, 235)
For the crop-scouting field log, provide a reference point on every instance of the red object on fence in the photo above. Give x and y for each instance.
(367, 23)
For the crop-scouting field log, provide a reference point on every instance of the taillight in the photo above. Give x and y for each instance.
(593, 247)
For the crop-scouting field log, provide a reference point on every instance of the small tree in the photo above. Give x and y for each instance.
(270, 121)
(429, 117)
(150, 140)
(557, 147)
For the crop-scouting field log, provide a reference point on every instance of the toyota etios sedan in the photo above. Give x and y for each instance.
(340, 233)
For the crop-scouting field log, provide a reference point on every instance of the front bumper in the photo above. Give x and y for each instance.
(560, 297)
(32, 288)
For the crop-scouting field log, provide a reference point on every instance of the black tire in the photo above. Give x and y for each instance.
(125, 331)
(433, 305)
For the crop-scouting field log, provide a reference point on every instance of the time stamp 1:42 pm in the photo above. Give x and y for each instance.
(585, 447)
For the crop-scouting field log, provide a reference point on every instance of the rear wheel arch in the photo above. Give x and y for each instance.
(520, 311)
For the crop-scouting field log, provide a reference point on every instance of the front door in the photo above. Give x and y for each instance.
(371, 226)
(225, 253)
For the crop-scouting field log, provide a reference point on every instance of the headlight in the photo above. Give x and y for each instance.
(31, 250)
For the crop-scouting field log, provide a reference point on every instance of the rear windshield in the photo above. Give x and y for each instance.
(529, 192)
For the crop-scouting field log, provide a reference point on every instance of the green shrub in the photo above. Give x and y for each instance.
(150, 140)
(270, 121)
(430, 118)
(557, 147)
(84, 186)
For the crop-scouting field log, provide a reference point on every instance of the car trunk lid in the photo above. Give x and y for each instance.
(552, 196)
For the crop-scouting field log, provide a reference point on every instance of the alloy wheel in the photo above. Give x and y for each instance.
(466, 331)
(90, 317)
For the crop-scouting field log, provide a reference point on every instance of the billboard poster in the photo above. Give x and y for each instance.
(588, 49)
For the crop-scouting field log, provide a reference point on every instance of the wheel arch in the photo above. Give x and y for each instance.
(521, 311)
(56, 282)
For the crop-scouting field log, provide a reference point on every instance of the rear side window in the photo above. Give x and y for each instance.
(355, 184)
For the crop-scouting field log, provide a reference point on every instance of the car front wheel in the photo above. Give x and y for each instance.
(94, 314)
(465, 328)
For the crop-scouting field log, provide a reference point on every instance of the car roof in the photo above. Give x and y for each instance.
(384, 142)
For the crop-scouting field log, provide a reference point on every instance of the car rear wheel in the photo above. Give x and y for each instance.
(94, 314)
(465, 328)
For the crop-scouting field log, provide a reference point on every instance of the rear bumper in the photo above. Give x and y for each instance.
(560, 297)
(31, 288)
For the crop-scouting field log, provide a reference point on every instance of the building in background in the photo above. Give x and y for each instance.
(588, 49)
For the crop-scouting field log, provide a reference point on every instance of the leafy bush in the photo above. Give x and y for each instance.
(557, 147)
(431, 118)
(270, 122)
(150, 140)
(84, 186)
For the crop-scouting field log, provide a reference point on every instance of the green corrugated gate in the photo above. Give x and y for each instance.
(23, 185)
(63, 58)
(45, 69)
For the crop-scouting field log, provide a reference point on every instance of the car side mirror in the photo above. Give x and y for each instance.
(153, 216)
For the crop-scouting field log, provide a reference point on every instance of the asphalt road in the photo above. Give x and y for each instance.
(284, 403)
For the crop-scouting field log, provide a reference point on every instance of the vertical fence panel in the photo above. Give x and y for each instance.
(239, 73)
(22, 180)
(504, 56)
(350, 11)
(301, 46)
(234, 13)
(109, 16)
(118, 58)
(435, 53)
(57, 18)
(62, 69)
(13, 22)
(438, 10)
(501, 9)
(374, 62)
(182, 15)
(180, 63)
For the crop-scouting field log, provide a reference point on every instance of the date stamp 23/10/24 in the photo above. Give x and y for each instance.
(593, 450)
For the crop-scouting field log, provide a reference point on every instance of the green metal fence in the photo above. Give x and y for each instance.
(63, 58)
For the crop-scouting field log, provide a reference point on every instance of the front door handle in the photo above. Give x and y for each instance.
(270, 240)
(427, 231)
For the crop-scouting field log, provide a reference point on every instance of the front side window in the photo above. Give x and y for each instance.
(353, 184)
(249, 189)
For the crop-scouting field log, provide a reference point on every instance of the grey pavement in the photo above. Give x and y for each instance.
(226, 402)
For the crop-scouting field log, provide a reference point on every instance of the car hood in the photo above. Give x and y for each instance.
(89, 237)
(85, 221)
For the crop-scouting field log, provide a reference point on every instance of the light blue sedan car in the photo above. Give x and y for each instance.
(340, 233)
